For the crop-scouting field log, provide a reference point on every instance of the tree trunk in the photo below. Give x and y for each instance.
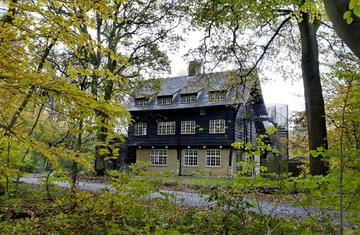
(100, 163)
(349, 33)
(100, 156)
(314, 102)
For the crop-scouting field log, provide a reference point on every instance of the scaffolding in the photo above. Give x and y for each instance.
(279, 118)
(275, 117)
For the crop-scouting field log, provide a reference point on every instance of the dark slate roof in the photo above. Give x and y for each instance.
(146, 93)
(170, 86)
(192, 85)
(201, 84)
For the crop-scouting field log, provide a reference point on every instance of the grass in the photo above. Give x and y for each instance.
(203, 182)
(197, 181)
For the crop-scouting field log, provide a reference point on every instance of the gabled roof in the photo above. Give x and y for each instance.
(237, 92)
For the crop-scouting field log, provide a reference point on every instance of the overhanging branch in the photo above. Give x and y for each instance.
(266, 47)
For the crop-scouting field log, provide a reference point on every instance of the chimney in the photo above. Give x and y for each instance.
(194, 68)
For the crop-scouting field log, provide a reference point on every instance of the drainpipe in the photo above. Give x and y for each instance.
(179, 157)
(232, 158)
(178, 150)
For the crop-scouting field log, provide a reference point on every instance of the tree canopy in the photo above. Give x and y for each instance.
(67, 66)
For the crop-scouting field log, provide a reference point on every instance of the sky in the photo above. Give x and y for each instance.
(275, 89)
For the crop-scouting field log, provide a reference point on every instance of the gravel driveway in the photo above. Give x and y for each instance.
(278, 209)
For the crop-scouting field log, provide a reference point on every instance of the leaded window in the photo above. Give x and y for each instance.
(141, 102)
(188, 127)
(190, 157)
(158, 157)
(166, 128)
(217, 96)
(190, 98)
(140, 128)
(164, 100)
(217, 126)
(213, 158)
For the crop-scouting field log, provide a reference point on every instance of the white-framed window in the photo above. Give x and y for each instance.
(166, 128)
(190, 157)
(213, 158)
(141, 102)
(164, 100)
(188, 127)
(190, 98)
(158, 157)
(140, 128)
(217, 96)
(217, 126)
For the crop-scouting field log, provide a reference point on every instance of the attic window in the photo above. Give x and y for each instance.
(164, 100)
(141, 102)
(217, 96)
(188, 98)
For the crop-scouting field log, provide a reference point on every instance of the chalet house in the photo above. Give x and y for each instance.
(188, 125)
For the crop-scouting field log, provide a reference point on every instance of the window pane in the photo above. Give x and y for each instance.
(166, 128)
(140, 128)
(217, 126)
(188, 98)
(141, 102)
(158, 157)
(217, 96)
(188, 127)
(213, 157)
(190, 157)
(164, 100)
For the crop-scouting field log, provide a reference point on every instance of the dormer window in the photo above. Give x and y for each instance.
(188, 98)
(215, 96)
(141, 102)
(164, 100)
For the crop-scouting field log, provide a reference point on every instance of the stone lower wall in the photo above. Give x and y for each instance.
(172, 162)
(204, 170)
(173, 165)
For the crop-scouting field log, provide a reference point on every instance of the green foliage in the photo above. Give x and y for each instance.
(128, 210)
(354, 9)
(61, 87)
(122, 210)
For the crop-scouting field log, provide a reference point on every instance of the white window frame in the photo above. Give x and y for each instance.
(166, 128)
(215, 96)
(190, 156)
(140, 128)
(141, 102)
(188, 127)
(217, 126)
(185, 99)
(158, 157)
(212, 157)
(164, 100)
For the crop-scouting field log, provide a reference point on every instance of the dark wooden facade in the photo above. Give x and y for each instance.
(229, 106)
(201, 138)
